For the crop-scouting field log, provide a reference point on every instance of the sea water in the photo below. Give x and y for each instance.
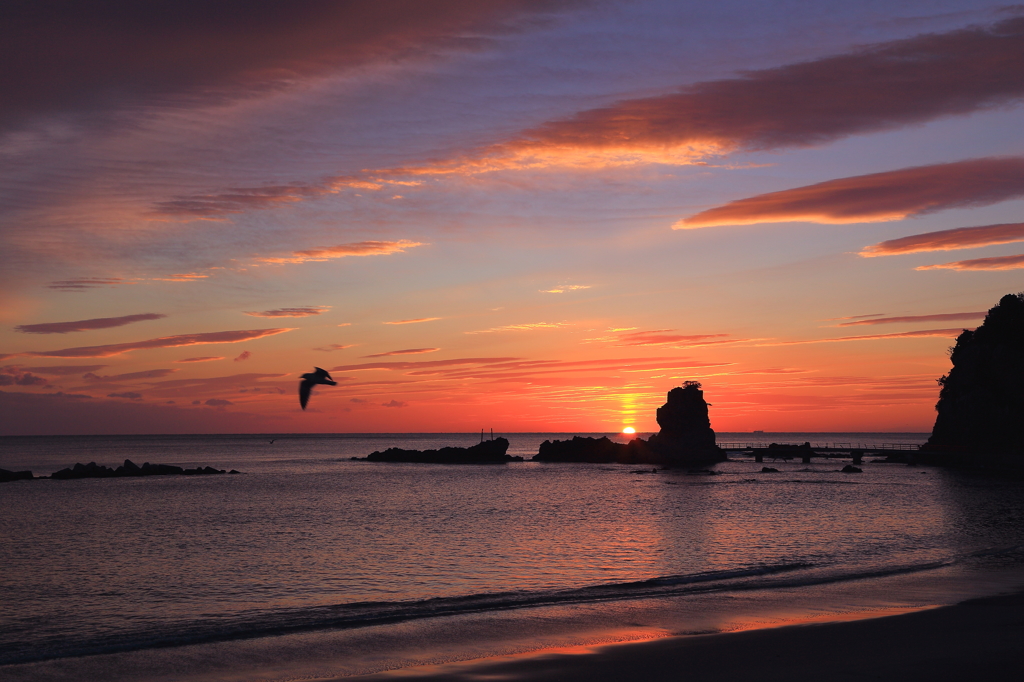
(312, 564)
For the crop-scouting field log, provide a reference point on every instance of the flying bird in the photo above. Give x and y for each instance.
(320, 376)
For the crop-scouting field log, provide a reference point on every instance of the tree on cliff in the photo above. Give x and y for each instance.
(981, 404)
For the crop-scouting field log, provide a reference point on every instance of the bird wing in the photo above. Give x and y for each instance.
(322, 374)
(305, 386)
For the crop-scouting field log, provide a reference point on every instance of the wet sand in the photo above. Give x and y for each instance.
(981, 639)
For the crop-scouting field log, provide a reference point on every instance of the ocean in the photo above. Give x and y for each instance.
(311, 565)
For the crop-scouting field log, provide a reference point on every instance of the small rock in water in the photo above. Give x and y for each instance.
(850, 469)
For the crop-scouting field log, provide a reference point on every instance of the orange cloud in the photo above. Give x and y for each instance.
(661, 337)
(407, 351)
(521, 327)
(418, 319)
(948, 240)
(162, 342)
(205, 358)
(994, 263)
(335, 346)
(85, 325)
(369, 248)
(853, 317)
(891, 195)
(181, 277)
(942, 317)
(562, 288)
(305, 311)
(420, 364)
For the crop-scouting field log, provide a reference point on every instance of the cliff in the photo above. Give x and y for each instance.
(980, 412)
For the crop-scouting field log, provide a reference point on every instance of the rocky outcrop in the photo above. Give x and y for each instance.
(129, 468)
(686, 438)
(980, 412)
(485, 452)
(8, 476)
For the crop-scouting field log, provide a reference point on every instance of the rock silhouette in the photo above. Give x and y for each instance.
(129, 468)
(686, 437)
(8, 476)
(980, 412)
(485, 452)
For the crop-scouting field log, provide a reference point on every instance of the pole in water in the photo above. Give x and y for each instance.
(492, 433)
(481, 435)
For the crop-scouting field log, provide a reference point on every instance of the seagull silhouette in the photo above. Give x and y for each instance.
(320, 376)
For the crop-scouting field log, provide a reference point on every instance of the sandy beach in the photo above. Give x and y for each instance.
(980, 639)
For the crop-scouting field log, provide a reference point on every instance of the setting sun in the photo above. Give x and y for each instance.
(629, 429)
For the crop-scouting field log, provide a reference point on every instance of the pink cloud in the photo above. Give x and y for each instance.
(891, 195)
(305, 311)
(949, 240)
(162, 342)
(85, 325)
(131, 376)
(421, 364)
(941, 317)
(335, 346)
(205, 358)
(993, 263)
(661, 337)
(407, 351)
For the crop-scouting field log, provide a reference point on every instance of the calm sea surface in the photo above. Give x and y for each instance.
(311, 564)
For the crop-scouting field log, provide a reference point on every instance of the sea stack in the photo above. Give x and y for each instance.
(980, 420)
(686, 438)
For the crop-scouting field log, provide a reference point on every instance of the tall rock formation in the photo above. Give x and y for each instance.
(685, 439)
(981, 405)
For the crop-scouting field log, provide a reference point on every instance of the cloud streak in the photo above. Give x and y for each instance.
(85, 325)
(305, 311)
(950, 333)
(113, 349)
(948, 240)
(84, 283)
(325, 253)
(941, 317)
(892, 195)
(993, 263)
(414, 321)
(407, 351)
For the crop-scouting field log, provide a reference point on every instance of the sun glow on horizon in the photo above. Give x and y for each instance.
(629, 429)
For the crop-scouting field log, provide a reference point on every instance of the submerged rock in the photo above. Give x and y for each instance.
(980, 412)
(485, 452)
(686, 438)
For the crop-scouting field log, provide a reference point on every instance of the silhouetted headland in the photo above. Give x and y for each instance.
(486, 452)
(686, 438)
(980, 420)
(129, 468)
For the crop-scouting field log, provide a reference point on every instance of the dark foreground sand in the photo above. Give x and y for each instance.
(982, 639)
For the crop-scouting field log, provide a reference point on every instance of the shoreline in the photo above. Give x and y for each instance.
(978, 638)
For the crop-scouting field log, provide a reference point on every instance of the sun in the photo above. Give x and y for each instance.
(629, 429)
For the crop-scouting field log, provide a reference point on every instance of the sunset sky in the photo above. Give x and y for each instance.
(518, 215)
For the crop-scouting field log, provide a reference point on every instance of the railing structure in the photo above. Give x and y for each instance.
(835, 447)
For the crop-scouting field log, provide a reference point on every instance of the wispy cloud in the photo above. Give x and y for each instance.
(244, 356)
(951, 333)
(941, 317)
(420, 364)
(530, 326)
(84, 283)
(395, 403)
(407, 351)
(993, 263)
(85, 325)
(162, 342)
(182, 277)
(204, 358)
(853, 317)
(129, 395)
(891, 195)
(562, 288)
(130, 376)
(663, 337)
(414, 321)
(948, 240)
(304, 311)
(324, 253)
(65, 370)
(335, 346)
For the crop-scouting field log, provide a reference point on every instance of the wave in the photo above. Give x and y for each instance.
(360, 614)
